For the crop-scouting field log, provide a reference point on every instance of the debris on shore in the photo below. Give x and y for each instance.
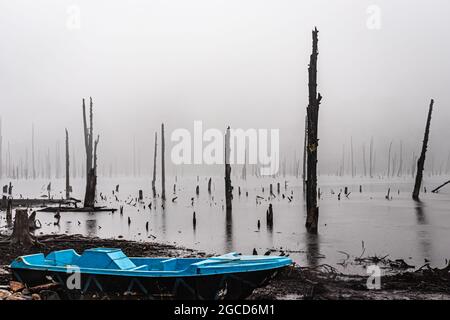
(294, 283)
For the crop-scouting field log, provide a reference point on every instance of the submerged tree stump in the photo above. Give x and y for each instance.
(269, 216)
(21, 232)
(209, 186)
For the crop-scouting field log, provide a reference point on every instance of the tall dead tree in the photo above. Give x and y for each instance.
(351, 157)
(67, 167)
(1, 150)
(312, 218)
(389, 161)
(163, 165)
(400, 166)
(244, 167)
(305, 153)
(91, 157)
(155, 151)
(32, 152)
(421, 161)
(228, 186)
(371, 156)
(364, 159)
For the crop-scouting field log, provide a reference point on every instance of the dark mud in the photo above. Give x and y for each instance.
(294, 283)
(325, 283)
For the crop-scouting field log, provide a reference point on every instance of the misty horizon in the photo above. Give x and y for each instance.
(224, 63)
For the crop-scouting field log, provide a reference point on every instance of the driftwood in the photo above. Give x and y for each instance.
(73, 209)
(32, 202)
(440, 187)
(421, 161)
(312, 219)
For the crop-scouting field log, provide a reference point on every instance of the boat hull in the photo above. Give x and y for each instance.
(228, 286)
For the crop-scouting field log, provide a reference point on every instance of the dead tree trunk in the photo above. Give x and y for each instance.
(21, 232)
(400, 165)
(209, 186)
(364, 159)
(1, 151)
(9, 211)
(163, 165)
(305, 143)
(389, 161)
(351, 157)
(228, 186)
(91, 157)
(155, 151)
(68, 188)
(421, 161)
(312, 218)
(371, 160)
(32, 152)
(244, 167)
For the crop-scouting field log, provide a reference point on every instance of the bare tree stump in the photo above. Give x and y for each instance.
(21, 232)
(9, 211)
(209, 186)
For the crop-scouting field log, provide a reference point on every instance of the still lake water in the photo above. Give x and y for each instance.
(399, 227)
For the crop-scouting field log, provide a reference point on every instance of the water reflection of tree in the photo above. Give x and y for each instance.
(425, 244)
(229, 231)
(163, 219)
(91, 227)
(270, 232)
(312, 249)
(420, 213)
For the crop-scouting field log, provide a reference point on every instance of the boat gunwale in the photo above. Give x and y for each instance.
(201, 270)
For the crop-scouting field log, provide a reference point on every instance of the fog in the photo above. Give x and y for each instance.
(238, 63)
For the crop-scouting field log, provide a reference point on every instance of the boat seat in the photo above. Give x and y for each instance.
(169, 264)
(143, 267)
(62, 257)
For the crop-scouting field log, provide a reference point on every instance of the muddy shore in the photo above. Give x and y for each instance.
(295, 283)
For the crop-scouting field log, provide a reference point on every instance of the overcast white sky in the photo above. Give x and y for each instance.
(240, 63)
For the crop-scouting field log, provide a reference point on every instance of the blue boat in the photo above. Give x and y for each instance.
(109, 270)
